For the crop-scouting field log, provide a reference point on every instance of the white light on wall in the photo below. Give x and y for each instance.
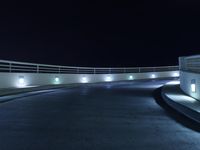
(130, 77)
(57, 79)
(153, 75)
(21, 82)
(108, 79)
(176, 74)
(84, 80)
(193, 87)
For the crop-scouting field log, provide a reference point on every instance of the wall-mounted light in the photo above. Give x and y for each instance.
(108, 79)
(84, 80)
(57, 79)
(21, 82)
(176, 74)
(193, 85)
(130, 77)
(153, 75)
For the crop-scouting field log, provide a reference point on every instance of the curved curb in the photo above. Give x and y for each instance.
(183, 109)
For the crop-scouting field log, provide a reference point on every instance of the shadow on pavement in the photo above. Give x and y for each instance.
(174, 114)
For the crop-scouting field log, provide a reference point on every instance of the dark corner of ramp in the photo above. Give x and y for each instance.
(173, 113)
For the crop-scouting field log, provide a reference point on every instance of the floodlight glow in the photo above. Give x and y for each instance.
(21, 82)
(84, 80)
(57, 79)
(153, 75)
(108, 79)
(130, 77)
(193, 87)
(176, 74)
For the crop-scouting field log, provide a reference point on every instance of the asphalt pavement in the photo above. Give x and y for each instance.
(106, 116)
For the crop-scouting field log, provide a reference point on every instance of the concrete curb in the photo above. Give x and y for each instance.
(183, 109)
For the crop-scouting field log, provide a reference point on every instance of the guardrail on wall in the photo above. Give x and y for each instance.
(17, 67)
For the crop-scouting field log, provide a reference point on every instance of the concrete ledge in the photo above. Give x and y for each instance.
(181, 102)
(19, 80)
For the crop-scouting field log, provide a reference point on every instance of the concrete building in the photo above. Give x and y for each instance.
(190, 75)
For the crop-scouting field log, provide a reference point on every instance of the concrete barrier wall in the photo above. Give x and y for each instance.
(186, 81)
(9, 80)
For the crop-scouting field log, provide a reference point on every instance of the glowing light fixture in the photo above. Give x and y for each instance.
(193, 86)
(108, 79)
(153, 75)
(57, 79)
(21, 82)
(84, 80)
(130, 77)
(176, 74)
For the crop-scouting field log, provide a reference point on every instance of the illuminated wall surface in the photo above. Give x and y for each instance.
(23, 74)
(190, 83)
(21, 80)
(190, 75)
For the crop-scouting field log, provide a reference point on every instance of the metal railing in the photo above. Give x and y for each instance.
(15, 67)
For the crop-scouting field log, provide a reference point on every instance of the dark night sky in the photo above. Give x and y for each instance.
(104, 33)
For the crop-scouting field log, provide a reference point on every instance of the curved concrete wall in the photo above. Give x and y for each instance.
(9, 80)
(186, 81)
